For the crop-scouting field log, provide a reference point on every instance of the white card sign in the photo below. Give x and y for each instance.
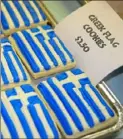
(94, 34)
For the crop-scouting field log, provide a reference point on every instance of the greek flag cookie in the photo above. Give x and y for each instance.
(78, 107)
(42, 52)
(12, 70)
(24, 115)
(18, 14)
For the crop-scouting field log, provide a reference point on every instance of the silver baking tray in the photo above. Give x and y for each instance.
(103, 89)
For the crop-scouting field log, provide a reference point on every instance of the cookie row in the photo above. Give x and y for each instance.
(40, 50)
(76, 108)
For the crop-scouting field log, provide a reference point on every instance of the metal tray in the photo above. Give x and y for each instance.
(103, 89)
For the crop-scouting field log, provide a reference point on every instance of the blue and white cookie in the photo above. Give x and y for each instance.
(12, 70)
(16, 15)
(78, 107)
(24, 115)
(42, 52)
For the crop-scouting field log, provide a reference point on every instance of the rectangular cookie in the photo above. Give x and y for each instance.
(79, 109)
(12, 70)
(42, 52)
(24, 115)
(16, 15)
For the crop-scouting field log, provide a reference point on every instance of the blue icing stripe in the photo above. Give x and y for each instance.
(22, 119)
(54, 106)
(67, 51)
(66, 105)
(34, 100)
(62, 76)
(7, 48)
(40, 36)
(34, 30)
(20, 66)
(46, 27)
(4, 40)
(69, 89)
(76, 71)
(92, 104)
(12, 68)
(84, 81)
(40, 10)
(4, 21)
(48, 51)
(9, 122)
(12, 13)
(111, 113)
(58, 51)
(3, 75)
(11, 92)
(51, 34)
(32, 11)
(22, 13)
(37, 51)
(27, 88)
(38, 123)
(26, 53)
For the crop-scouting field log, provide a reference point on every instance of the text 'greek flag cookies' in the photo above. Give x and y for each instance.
(78, 107)
(42, 52)
(23, 115)
(17, 14)
(12, 71)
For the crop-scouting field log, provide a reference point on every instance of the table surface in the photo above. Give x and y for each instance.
(60, 9)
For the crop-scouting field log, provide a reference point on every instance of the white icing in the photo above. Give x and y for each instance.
(2, 81)
(4, 44)
(22, 95)
(74, 79)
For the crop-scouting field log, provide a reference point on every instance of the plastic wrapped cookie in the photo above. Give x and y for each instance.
(79, 109)
(16, 15)
(24, 115)
(42, 52)
(13, 72)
